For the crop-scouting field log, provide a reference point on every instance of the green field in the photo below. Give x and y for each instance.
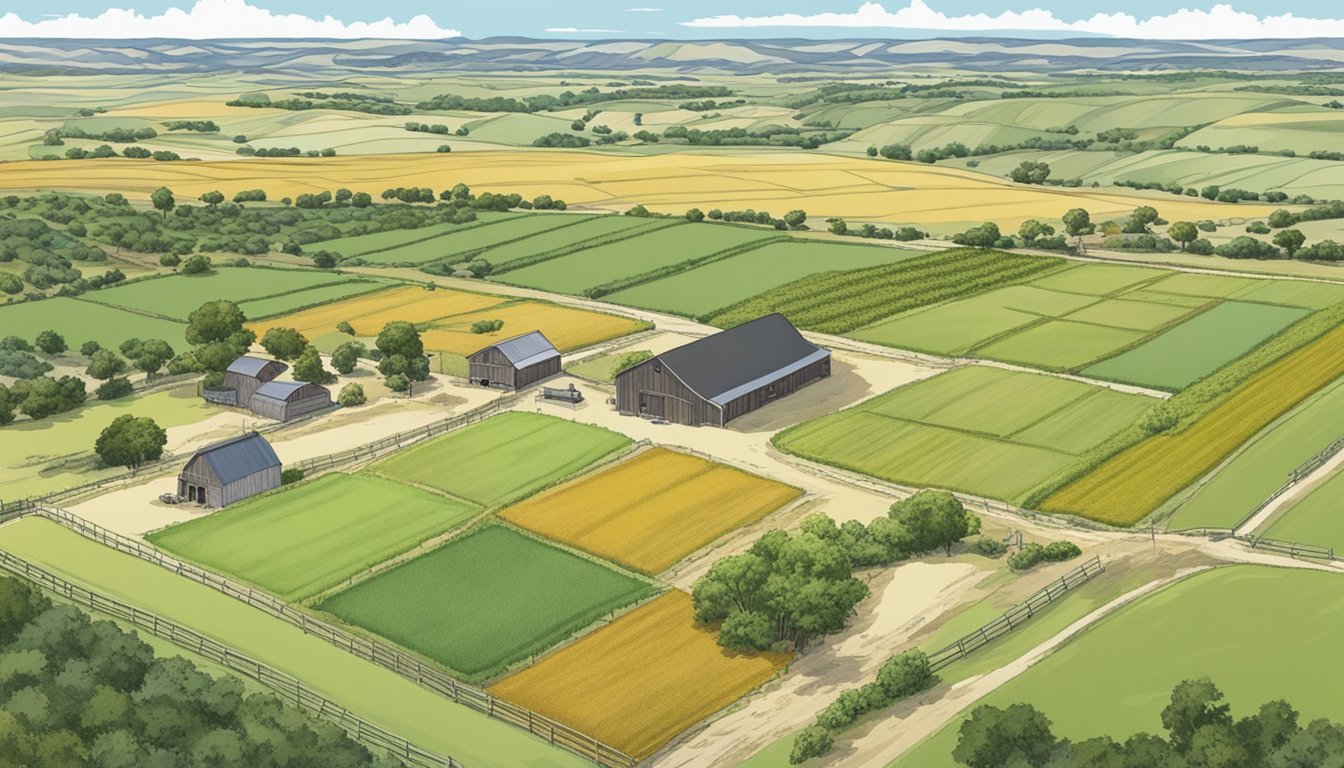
(80, 321)
(1206, 623)
(716, 285)
(596, 367)
(1315, 519)
(486, 600)
(302, 540)
(585, 228)
(368, 690)
(1264, 464)
(503, 458)
(259, 309)
(975, 429)
(644, 253)
(472, 239)
(177, 296)
(359, 245)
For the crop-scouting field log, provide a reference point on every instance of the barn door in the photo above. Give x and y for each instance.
(653, 406)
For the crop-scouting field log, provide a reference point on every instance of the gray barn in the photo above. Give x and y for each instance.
(246, 374)
(721, 377)
(288, 400)
(514, 363)
(230, 471)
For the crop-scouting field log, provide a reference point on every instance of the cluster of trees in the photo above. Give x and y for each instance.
(486, 326)
(79, 692)
(49, 254)
(1030, 172)
(1199, 732)
(436, 128)
(248, 150)
(290, 345)
(403, 359)
(195, 126)
(794, 220)
(789, 589)
(215, 329)
(350, 102)
(130, 441)
(55, 136)
(901, 677)
(709, 105)
(558, 140)
(1033, 554)
(838, 226)
(770, 135)
(568, 99)
(41, 397)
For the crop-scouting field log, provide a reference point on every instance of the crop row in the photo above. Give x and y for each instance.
(537, 258)
(630, 281)
(839, 302)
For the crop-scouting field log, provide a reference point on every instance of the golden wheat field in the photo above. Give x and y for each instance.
(823, 185)
(651, 511)
(641, 680)
(450, 314)
(1129, 486)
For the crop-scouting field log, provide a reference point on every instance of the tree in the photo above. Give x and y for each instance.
(361, 200)
(308, 367)
(906, 674)
(1289, 240)
(837, 226)
(1183, 232)
(105, 364)
(346, 356)
(1030, 172)
(1034, 228)
(215, 321)
(10, 284)
(934, 520)
(212, 198)
(324, 260)
(629, 360)
(796, 219)
(89, 347)
(351, 395)
(7, 403)
(284, 343)
(196, 264)
(1194, 704)
(163, 200)
(896, 152)
(403, 352)
(695, 215)
(994, 738)
(51, 342)
(1078, 222)
(983, 236)
(149, 355)
(130, 441)
(813, 741)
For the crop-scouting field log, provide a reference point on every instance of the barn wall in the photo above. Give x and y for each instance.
(538, 371)
(282, 410)
(781, 387)
(679, 403)
(244, 386)
(198, 472)
(251, 485)
(491, 364)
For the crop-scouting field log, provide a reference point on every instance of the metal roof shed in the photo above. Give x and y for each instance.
(230, 471)
(515, 363)
(289, 400)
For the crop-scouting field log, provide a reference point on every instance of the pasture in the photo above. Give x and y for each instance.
(582, 229)
(643, 679)
(301, 540)
(485, 600)
(1314, 518)
(1206, 622)
(503, 458)
(979, 430)
(718, 284)
(80, 321)
(1262, 465)
(649, 512)
(378, 242)
(177, 296)
(465, 241)
(370, 691)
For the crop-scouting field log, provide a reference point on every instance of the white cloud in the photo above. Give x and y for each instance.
(581, 31)
(1220, 21)
(216, 19)
(643, 10)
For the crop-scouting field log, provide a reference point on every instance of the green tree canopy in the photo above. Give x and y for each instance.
(130, 441)
(284, 343)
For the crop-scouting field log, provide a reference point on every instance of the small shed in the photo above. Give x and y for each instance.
(289, 400)
(514, 363)
(226, 472)
(246, 375)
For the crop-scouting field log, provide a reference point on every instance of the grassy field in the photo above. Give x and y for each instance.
(38, 457)
(1264, 464)
(177, 296)
(980, 430)
(303, 540)
(1206, 623)
(642, 680)
(649, 512)
(597, 367)
(1314, 518)
(1198, 346)
(502, 458)
(80, 321)
(485, 600)
(359, 245)
(1127, 487)
(366, 689)
(665, 247)
(583, 229)
(465, 241)
(320, 296)
(719, 284)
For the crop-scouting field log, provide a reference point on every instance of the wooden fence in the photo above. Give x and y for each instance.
(289, 688)
(1017, 615)
(1295, 477)
(1289, 548)
(385, 656)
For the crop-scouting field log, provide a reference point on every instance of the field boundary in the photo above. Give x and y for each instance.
(1017, 615)
(288, 688)
(1304, 469)
(470, 255)
(386, 656)
(595, 242)
(671, 270)
(1292, 549)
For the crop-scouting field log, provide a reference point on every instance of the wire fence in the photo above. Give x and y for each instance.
(1017, 615)
(383, 655)
(289, 688)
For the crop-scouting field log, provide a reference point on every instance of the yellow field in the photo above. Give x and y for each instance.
(823, 185)
(1135, 482)
(641, 680)
(651, 511)
(450, 314)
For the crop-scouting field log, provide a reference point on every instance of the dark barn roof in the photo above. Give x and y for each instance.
(285, 391)
(528, 349)
(731, 363)
(253, 366)
(235, 459)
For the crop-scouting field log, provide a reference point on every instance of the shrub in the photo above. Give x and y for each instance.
(1058, 551)
(1258, 228)
(345, 327)
(351, 395)
(213, 380)
(398, 382)
(486, 326)
(22, 365)
(114, 388)
(990, 547)
(813, 741)
(346, 356)
(197, 264)
(89, 347)
(290, 476)
(1032, 554)
(51, 342)
(1247, 248)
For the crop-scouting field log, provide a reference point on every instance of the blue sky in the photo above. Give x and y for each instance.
(682, 18)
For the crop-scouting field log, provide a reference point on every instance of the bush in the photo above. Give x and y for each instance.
(351, 395)
(21, 365)
(1258, 228)
(197, 264)
(988, 547)
(486, 326)
(114, 388)
(170, 260)
(813, 741)
(346, 328)
(51, 342)
(1032, 554)
(1247, 248)
(1059, 551)
(290, 476)
(89, 347)
(213, 380)
(398, 382)
(1207, 226)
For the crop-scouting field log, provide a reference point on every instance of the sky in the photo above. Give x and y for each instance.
(669, 19)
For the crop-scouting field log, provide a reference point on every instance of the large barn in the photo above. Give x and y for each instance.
(289, 400)
(721, 377)
(230, 471)
(246, 375)
(514, 363)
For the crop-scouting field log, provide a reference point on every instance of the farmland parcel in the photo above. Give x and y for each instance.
(502, 458)
(177, 296)
(304, 539)
(651, 511)
(486, 600)
(1315, 518)
(641, 680)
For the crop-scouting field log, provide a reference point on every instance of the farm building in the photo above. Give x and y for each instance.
(721, 377)
(229, 471)
(245, 375)
(514, 363)
(288, 400)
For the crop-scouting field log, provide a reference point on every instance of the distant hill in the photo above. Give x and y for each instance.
(783, 56)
